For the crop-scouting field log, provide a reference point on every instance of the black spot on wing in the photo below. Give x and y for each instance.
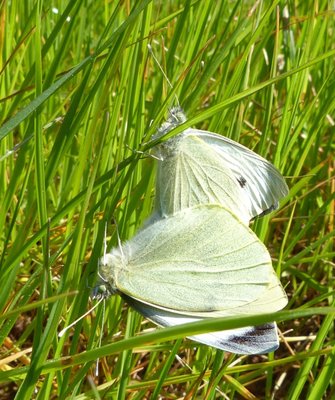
(242, 181)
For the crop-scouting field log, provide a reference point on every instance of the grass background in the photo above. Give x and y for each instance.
(80, 97)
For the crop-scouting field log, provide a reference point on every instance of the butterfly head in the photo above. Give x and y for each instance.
(176, 117)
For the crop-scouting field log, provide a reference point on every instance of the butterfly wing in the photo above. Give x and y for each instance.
(199, 167)
(200, 261)
(259, 179)
(191, 172)
(249, 340)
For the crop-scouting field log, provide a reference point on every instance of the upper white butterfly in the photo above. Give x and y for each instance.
(200, 167)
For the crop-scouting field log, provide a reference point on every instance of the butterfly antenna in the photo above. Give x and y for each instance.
(118, 238)
(162, 71)
(105, 243)
(61, 333)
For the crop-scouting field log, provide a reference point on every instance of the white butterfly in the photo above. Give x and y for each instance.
(201, 262)
(200, 167)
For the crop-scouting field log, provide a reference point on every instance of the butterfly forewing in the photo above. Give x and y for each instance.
(261, 180)
(200, 260)
(191, 172)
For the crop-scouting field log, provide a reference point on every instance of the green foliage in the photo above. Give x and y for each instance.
(80, 97)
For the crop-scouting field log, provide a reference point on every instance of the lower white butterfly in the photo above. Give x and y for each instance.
(200, 167)
(199, 263)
